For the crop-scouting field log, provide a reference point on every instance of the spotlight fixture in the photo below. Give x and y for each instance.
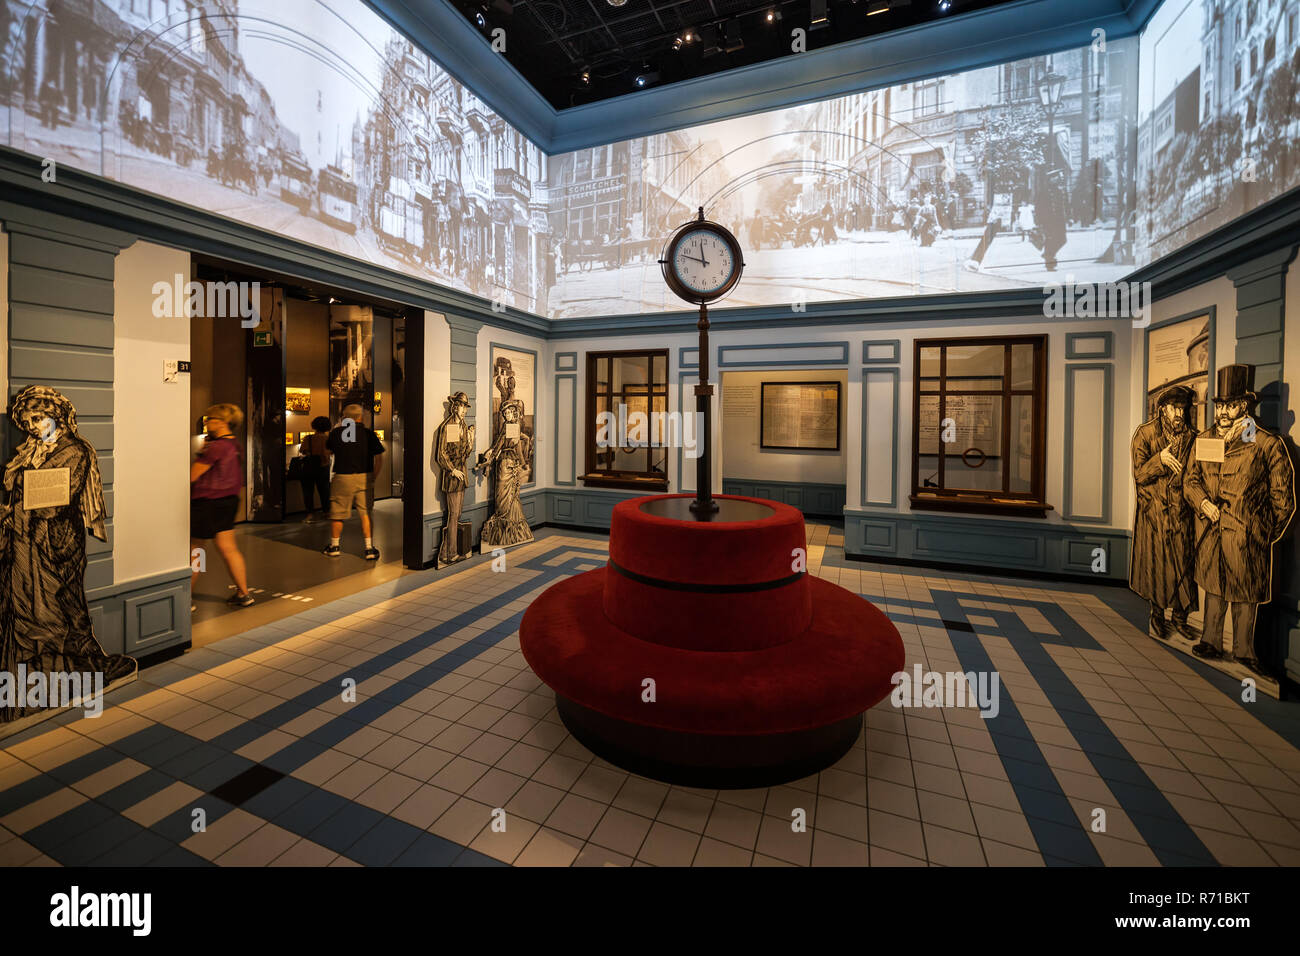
(772, 15)
(480, 19)
(732, 41)
(646, 78)
(585, 77)
(945, 6)
(677, 43)
(617, 3)
(818, 16)
(688, 36)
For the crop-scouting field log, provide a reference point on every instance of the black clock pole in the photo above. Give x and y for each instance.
(704, 506)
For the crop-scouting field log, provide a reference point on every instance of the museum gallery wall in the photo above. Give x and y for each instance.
(340, 133)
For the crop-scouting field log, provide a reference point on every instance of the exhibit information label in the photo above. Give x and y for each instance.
(1209, 449)
(46, 488)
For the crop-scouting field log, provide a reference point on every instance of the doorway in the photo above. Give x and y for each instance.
(292, 366)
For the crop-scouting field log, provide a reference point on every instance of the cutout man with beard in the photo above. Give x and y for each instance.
(1242, 484)
(1163, 527)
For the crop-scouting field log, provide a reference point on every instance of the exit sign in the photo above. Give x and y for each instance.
(262, 340)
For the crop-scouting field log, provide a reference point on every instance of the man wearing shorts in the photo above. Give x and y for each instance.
(357, 454)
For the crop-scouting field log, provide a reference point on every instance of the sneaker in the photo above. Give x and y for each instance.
(371, 554)
(240, 600)
(331, 551)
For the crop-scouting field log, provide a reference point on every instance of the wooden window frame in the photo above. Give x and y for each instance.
(594, 477)
(1032, 504)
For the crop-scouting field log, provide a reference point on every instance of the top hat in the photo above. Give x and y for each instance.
(1235, 384)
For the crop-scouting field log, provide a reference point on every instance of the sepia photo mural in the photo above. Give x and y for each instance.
(339, 132)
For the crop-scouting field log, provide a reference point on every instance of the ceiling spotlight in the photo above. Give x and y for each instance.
(585, 77)
(480, 19)
(945, 6)
(677, 43)
(645, 79)
(688, 36)
(818, 16)
(772, 15)
(617, 3)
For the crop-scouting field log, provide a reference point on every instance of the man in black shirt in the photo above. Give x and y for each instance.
(357, 455)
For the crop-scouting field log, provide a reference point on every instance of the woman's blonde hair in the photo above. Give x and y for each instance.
(226, 412)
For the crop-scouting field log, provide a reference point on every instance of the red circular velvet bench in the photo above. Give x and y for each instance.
(761, 672)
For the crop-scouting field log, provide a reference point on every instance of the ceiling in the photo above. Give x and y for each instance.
(583, 51)
(972, 34)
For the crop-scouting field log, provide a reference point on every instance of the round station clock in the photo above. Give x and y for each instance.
(702, 261)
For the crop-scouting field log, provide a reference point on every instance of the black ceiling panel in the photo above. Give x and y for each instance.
(554, 43)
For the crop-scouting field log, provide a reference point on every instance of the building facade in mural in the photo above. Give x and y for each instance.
(54, 496)
(1162, 562)
(1220, 131)
(1241, 484)
(453, 445)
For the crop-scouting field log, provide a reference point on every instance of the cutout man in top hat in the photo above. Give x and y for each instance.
(1164, 525)
(1241, 484)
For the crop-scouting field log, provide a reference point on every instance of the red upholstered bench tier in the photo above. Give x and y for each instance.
(836, 669)
(708, 586)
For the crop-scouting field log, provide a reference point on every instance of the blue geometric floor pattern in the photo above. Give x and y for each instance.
(401, 726)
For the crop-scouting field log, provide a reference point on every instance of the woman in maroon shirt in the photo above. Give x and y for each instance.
(216, 479)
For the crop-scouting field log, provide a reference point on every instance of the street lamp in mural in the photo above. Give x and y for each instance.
(1050, 87)
(1050, 186)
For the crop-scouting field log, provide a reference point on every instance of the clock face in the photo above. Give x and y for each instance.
(703, 262)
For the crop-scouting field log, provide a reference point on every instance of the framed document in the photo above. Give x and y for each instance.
(800, 415)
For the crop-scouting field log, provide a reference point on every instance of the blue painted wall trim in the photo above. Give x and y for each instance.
(784, 355)
(1107, 446)
(892, 501)
(1076, 345)
(573, 431)
(892, 358)
(566, 361)
(1058, 549)
(812, 498)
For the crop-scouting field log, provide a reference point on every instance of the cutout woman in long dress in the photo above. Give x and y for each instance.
(44, 620)
(508, 457)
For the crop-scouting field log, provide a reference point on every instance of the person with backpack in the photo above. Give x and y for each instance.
(216, 478)
(315, 474)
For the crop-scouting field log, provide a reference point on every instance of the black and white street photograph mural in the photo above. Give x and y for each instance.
(1219, 117)
(339, 132)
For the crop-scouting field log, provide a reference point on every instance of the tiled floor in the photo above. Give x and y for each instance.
(254, 735)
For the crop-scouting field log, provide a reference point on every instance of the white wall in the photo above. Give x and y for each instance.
(742, 454)
(884, 415)
(151, 453)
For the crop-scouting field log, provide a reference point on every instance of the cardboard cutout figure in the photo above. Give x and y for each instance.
(1160, 569)
(452, 449)
(54, 495)
(508, 457)
(1241, 484)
